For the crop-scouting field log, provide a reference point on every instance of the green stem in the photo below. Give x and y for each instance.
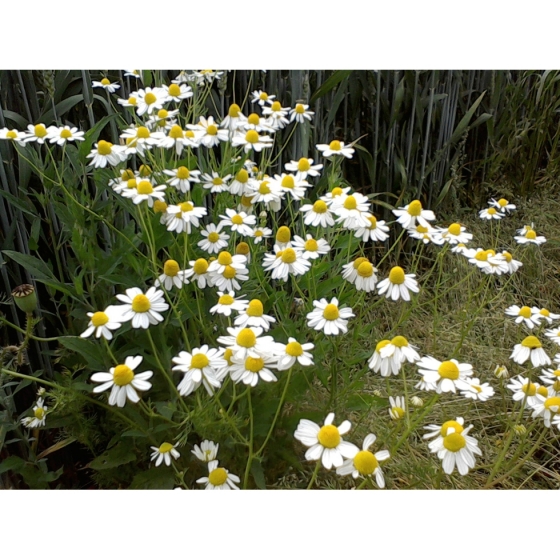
(250, 459)
(314, 476)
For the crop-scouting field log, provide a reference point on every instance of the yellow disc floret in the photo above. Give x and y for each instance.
(252, 137)
(218, 477)
(331, 312)
(320, 207)
(171, 268)
(335, 146)
(365, 270)
(99, 319)
(225, 258)
(283, 235)
(415, 208)
(255, 308)
(365, 462)
(199, 361)
(183, 173)
(396, 276)
(174, 90)
(104, 148)
(449, 370)
(200, 266)
(122, 375)
(454, 442)
(289, 256)
(254, 365)
(294, 349)
(246, 338)
(531, 342)
(329, 436)
(454, 229)
(165, 447)
(451, 424)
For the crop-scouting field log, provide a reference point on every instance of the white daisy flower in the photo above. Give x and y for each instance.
(540, 313)
(408, 215)
(365, 463)
(150, 99)
(267, 192)
(180, 217)
(228, 279)
(352, 210)
(426, 234)
(145, 191)
(442, 377)
(199, 272)
(103, 322)
(12, 135)
(214, 239)
(177, 92)
(207, 451)
(172, 275)
(178, 139)
(552, 378)
(261, 97)
(488, 261)
(182, 177)
(238, 221)
(325, 442)
(523, 315)
(249, 369)
(62, 134)
(105, 153)
(276, 115)
(530, 347)
(253, 316)
(139, 138)
(399, 351)
(502, 205)
(300, 113)
(435, 430)
(284, 262)
(106, 85)
(304, 167)
(310, 247)
(162, 121)
(398, 408)
(123, 381)
(255, 122)
(455, 233)
(490, 214)
(251, 140)
(39, 416)
(207, 132)
(215, 182)
(328, 317)
(228, 303)
(199, 367)
(361, 273)
(294, 351)
(164, 452)
(142, 309)
(383, 365)
(248, 342)
(553, 334)
(547, 407)
(335, 148)
(261, 233)
(317, 214)
(530, 237)
(376, 230)
(219, 478)
(473, 389)
(289, 183)
(525, 391)
(398, 285)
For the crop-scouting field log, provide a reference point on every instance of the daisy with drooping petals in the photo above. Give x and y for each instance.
(219, 478)
(530, 347)
(540, 313)
(39, 416)
(164, 452)
(228, 303)
(454, 447)
(310, 247)
(490, 214)
(526, 391)
(325, 442)
(300, 113)
(335, 148)
(105, 153)
(289, 183)
(365, 463)
(182, 177)
(398, 408)
(251, 140)
(199, 272)
(145, 191)
(261, 97)
(207, 451)
(384, 366)
(276, 115)
(103, 322)
(502, 205)
(180, 217)
(329, 317)
(178, 138)
(61, 135)
(530, 236)
(199, 367)
(106, 85)
(304, 167)
(455, 233)
(473, 389)
(284, 262)
(352, 210)
(399, 351)
(261, 233)
(172, 276)
(426, 234)
(554, 335)
(442, 377)
(256, 123)
(317, 214)
(488, 261)
(247, 341)
(150, 99)
(238, 221)
(123, 381)
(547, 407)
(361, 273)
(253, 316)
(376, 230)
(142, 309)
(289, 353)
(177, 92)
(214, 239)
(398, 285)
(208, 133)
(252, 368)
(522, 315)
(409, 214)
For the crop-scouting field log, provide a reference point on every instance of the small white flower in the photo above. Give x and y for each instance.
(335, 148)
(219, 478)
(409, 214)
(164, 453)
(530, 347)
(172, 275)
(106, 85)
(207, 451)
(103, 322)
(39, 416)
(490, 214)
(289, 353)
(398, 285)
(473, 389)
(442, 377)
(328, 317)
(227, 303)
(142, 309)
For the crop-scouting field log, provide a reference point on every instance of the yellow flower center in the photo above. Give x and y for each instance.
(449, 370)
(234, 110)
(507, 256)
(217, 181)
(358, 262)
(454, 229)
(65, 133)
(218, 477)
(303, 164)
(122, 375)
(186, 206)
(530, 389)
(99, 318)
(492, 211)
(39, 413)
(276, 106)
(212, 130)
(160, 207)
(415, 208)
(454, 442)
(283, 235)
(399, 341)
(350, 203)
(105, 82)
(226, 299)
(252, 137)
(104, 148)
(337, 191)
(481, 256)
(300, 109)
(543, 391)
(255, 308)
(200, 266)
(174, 90)
(552, 404)
(381, 344)
(246, 201)
(242, 176)
(189, 133)
(294, 349)
(229, 272)
(525, 312)
(451, 424)
(199, 361)
(288, 182)
(171, 268)
(545, 312)
(254, 119)
(145, 171)
(225, 258)
(329, 436)
(396, 276)
(228, 355)
(531, 342)
(398, 412)
(502, 202)
(140, 304)
(331, 312)
(421, 229)
(242, 249)
(150, 98)
(264, 188)
(311, 245)
(213, 237)
(237, 220)
(176, 132)
(183, 173)
(320, 207)
(365, 270)
(365, 462)
(532, 234)
(373, 222)
(142, 132)
(145, 187)
(335, 146)
(246, 338)
(263, 96)
(12, 134)
(162, 113)
(254, 364)
(132, 101)
(289, 256)
(165, 447)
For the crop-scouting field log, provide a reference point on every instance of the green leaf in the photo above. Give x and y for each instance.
(119, 455)
(12, 464)
(464, 122)
(61, 108)
(258, 474)
(20, 122)
(86, 348)
(157, 478)
(330, 83)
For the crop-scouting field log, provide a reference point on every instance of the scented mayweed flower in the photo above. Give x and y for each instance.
(304, 167)
(398, 408)
(454, 447)
(384, 366)
(551, 377)
(300, 113)
(398, 285)
(455, 233)
(361, 273)
(473, 389)
(39, 416)
(490, 214)
(553, 334)
(207, 451)
(13, 135)
(214, 239)
(365, 463)
(172, 275)
(142, 309)
(63, 134)
(284, 262)
(36, 133)
(261, 97)
(335, 148)
(522, 315)
(198, 272)
(227, 303)
(103, 322)
(526, 391)
(182, 216)
(530, 347)
(442, 377)
(247, 341)
(397, 352)
(106, 85)
(547, 407)
(540, 313)
(294, 351)
(215, 182)
(502, 205)
(239, 222)
(413, 212)
(249, 369)
(530, 236)
(200, 367)
(328, 317)
(310, 247)
(252, 315)
(376, 230)
(317, 214)
(164, 453)
(182, 177)
(219, 478)
(105, 153)
(325, 442)
(123, 381)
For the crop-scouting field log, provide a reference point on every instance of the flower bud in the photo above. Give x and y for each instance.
(25, 298)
